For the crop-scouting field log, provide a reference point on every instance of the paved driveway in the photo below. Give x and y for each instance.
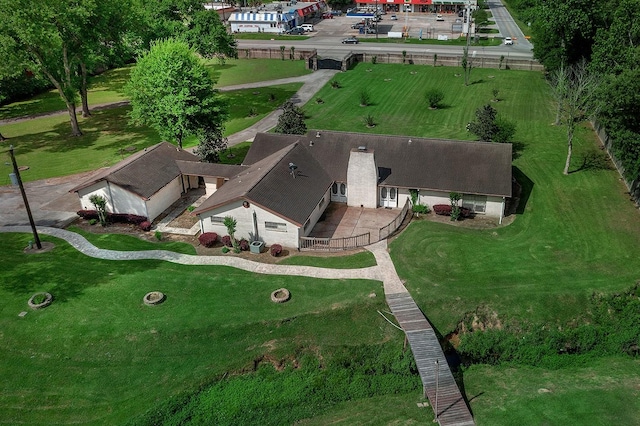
(50, 201)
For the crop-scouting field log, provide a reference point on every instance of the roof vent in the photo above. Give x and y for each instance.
(310, 143)
(292, 168)
(317, 134)
(410, 141)
(362, 148)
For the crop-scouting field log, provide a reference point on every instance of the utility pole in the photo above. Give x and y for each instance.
(24, 198)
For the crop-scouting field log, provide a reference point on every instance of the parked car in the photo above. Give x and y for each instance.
(508, 41)
(371, 30)
(458, 21)
(394, 18)
(307, 27)
(350, 40)
(327, 15)
(358, 25)
(439, 17)
(336, 12)
(461, 13)
(295, 31)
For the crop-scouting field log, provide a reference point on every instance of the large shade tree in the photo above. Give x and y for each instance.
(172, 91)
(190, 21)
(47, 36)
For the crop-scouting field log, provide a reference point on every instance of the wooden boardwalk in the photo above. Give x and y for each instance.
(450, 408)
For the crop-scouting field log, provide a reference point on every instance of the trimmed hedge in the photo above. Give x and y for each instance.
(244, 245)
(445, 210)
(113, 217)
(208, 239)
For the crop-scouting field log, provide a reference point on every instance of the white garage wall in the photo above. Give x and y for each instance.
(162, 199)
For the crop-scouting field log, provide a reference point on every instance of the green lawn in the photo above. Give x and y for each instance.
(104, 356)
(109, 86)
(359, 260)
(97, 355)
(108, 137)
(129, 243)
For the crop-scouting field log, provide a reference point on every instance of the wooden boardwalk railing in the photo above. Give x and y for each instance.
(449, 406)
(334, 244)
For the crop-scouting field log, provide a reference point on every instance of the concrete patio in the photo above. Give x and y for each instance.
(342, 221)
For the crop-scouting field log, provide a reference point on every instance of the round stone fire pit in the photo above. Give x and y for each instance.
(281, 295)
(153, 298)
(40, 300)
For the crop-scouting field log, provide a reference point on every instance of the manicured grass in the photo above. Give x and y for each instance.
(235, 154)
(461, 41)
(602, 392)
(259, 101)
(240, 71)
(399, 106)
(109, 86)
(129, 243)
(108, 137)
(358, 260)
(98, 355)
(388, 410)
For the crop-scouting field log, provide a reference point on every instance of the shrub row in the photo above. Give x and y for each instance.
(270, 397)
(612, 329)
(445, 210)
(113, 217)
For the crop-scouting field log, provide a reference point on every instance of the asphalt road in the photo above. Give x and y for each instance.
(330, 32)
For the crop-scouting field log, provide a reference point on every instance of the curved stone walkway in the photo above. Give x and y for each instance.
(81, 244)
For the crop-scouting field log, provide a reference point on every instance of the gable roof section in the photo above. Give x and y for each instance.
(145, 172)
(434, 164)
(265, 144)
(270, 184)
(197, 168)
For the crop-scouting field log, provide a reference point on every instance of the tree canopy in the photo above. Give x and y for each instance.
(291, 121)
(172, 91)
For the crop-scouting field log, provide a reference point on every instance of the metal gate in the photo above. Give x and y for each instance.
(329, 64)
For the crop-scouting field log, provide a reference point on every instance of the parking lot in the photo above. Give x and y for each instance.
(422, 25)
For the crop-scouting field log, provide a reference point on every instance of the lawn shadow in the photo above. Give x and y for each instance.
(111, 80)
(594, 159)
(516, 149)
(524, 186)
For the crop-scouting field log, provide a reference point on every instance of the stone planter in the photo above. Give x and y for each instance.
(48, 298)
(153, 298)
(281, 295)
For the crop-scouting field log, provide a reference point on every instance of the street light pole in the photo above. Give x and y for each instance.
(24, 198)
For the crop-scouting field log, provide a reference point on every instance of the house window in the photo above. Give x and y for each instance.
(276, 226)
(217, 220)
(475, 203)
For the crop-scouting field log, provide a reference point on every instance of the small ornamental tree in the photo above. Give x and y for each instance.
(489, 128)
(291, 121)
(100, 203)
(455, 197)
(230, 223)
(434, 97)
(212, 143)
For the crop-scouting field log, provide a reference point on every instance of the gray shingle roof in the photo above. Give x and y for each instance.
(197, 168)
(270, 184)
(145, 172)
(408, 162)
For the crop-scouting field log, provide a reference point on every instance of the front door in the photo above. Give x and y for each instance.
(388, 197)
(339, 192)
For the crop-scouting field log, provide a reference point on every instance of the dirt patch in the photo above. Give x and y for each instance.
(481, 319)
